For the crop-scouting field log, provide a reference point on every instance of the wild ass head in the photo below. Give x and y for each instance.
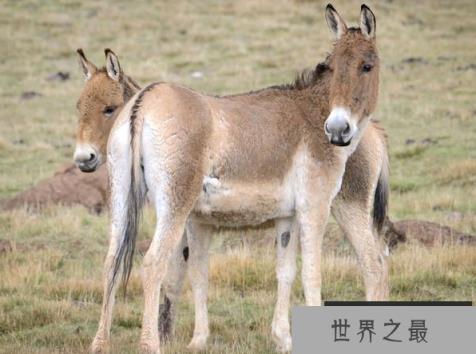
(105, 93)
(354, 65)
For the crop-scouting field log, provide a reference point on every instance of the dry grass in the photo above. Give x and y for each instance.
(50, 286)
(53, 302)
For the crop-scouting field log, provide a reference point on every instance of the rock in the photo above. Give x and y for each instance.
(466, 67)
(19, 141)
(59, 76)
(415, 60)
(28, 95)
(197, 74)
(429, 141)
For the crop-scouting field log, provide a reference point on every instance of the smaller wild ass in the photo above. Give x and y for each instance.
(241, 160)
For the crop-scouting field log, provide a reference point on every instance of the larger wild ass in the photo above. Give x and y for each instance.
(242, 160)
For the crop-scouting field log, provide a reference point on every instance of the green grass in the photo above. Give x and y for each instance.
(50, 286)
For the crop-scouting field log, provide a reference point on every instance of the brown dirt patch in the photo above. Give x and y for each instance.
(426, 232)
(69, 186)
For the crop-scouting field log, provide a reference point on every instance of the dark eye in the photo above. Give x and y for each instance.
(108, 111)
(367, 68)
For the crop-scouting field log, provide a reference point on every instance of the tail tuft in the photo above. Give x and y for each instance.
(381, 196)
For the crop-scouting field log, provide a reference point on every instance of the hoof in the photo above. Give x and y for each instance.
(284, 346)
(149, 348)
(283, 341)
(198, 343)
(100, 346)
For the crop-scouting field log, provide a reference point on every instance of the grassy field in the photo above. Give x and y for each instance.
(50, 285)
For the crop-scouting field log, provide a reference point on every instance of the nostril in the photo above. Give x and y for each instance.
(347, 129)
(92, 157)
(326, 128)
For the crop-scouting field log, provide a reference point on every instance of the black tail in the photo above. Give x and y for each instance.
(381, 199)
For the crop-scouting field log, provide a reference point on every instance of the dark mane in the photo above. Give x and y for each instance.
(307, 78)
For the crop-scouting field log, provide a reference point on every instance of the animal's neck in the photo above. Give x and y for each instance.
(308, 97)
(313, 100)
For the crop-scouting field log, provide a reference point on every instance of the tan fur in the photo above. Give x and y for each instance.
(101, 91)
(247, 159)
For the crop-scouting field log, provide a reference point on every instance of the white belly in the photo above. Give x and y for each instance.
(235, 204)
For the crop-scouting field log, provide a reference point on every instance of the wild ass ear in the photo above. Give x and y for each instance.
(335, 22)
(88, 68)
(113, 67)
(367, 22)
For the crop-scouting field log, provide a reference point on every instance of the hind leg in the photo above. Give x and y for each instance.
(287, 241)
(355, 219)
(173, 173)
(173, 176)
(172, 212)
(172, 288)
(198, 236)
(167, 236)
